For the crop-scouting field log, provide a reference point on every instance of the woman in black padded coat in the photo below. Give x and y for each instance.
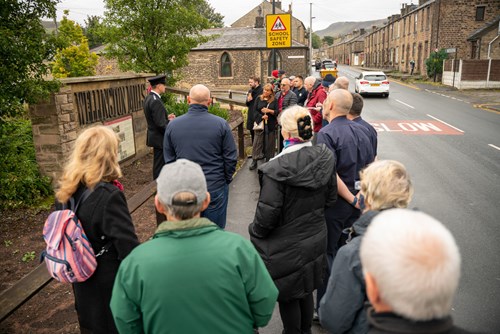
(289, 228)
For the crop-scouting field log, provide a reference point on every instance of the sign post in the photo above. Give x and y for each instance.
(278, 31)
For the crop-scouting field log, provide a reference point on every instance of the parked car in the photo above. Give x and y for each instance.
(372, 83)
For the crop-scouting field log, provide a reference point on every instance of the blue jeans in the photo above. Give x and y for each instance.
(217, 209)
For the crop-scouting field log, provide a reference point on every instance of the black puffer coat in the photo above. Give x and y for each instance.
(289, 229)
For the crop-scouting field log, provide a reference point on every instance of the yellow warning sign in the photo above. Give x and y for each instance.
(278, 31)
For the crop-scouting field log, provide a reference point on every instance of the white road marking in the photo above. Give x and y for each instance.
(498, 148)
(451, 126)
(406, 104)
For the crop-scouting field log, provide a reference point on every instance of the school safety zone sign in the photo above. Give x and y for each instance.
(279, 31)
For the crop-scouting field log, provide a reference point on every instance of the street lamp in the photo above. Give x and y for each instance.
(310, 33)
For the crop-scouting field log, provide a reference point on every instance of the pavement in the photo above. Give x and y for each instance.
(243, 195)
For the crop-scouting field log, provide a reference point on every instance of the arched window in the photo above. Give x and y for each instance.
(225, 65)
(279, 62)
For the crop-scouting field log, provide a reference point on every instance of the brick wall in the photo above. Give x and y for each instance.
(56, 122)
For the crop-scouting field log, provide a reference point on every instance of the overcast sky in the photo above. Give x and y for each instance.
(325, 12)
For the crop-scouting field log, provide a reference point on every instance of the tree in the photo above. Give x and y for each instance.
(153, 35)
(94, 31)
(328, 40)
(316, 41)
(73, 58)
(216, 19)
(24, 48)
(434, 63)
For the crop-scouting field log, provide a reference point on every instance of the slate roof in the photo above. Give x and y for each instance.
(237, 38)
(481, 31)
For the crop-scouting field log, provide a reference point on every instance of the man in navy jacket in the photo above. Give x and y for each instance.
(207, 140)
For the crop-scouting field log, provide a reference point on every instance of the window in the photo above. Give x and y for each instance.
(480, 13)
(279, 62)
(428, 18)
(415, 24)
(225, 66)
(396, 57)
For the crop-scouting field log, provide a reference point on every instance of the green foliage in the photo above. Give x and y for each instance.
(20, 179)
(7, 243)
(206, 10)
(94, 31)
(24, 48)
(28, 256)
(328, 40)
(316, 41)
(73, 58)
(180, 108)
(434, 63)
(153, 35)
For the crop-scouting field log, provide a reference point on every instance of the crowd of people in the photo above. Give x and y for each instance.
(330, 218)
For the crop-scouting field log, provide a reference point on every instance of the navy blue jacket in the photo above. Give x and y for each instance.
(371, 132)
(351, 146)
(205, 139)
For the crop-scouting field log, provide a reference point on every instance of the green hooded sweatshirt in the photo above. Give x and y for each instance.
(193, 277)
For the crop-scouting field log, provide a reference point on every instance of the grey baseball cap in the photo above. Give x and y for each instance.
(178, 177)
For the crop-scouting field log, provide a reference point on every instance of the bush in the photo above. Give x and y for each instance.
(20, 180)
(180, 108)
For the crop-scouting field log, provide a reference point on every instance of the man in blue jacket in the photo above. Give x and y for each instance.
(207, 140)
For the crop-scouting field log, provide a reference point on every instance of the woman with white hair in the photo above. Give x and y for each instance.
(385, 184)
(105, 219)
(289, 228)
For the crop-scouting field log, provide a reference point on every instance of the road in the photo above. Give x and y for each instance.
(452, 151)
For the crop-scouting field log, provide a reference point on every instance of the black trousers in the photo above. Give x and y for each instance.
(158, 163)
(297, 315)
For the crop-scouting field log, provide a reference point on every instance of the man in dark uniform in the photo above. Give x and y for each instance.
(353, 152)
(156, 116)
(253, 93)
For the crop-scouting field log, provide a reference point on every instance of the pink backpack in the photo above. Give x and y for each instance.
(69, 255)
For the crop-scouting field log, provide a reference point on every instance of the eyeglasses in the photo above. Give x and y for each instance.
(283, 85)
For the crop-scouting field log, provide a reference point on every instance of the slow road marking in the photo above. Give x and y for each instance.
(415, 127)
(498, 148)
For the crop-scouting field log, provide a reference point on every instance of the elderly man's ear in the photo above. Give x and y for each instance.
(373, 294)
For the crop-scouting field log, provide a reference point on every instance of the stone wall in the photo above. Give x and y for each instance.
(58, 121)
(204, 67)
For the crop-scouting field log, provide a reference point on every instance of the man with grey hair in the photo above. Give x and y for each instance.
(340, 83)
(315, 98)
(191, 277)
(207, 140)
(411, 265)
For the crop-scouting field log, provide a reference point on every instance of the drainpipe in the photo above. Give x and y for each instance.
(489, 55)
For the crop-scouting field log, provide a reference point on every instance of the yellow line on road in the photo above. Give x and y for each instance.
(486, 107)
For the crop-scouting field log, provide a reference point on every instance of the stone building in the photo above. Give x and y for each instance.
(485, 42)
(348, 49)
(430, 25)
(235, 53)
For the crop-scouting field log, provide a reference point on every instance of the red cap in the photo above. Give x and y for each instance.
(275, 73)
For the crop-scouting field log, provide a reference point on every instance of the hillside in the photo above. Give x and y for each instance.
(343, 28)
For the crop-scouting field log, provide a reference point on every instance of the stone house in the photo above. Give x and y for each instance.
(485, 42)
(348, 49)
(235, 53)
(430, 25)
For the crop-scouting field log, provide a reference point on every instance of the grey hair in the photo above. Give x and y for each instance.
(414, 261)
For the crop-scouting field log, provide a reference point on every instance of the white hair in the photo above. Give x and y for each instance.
(414, 261)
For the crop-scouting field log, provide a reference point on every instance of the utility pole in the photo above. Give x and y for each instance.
(273, 52)
(310, 33)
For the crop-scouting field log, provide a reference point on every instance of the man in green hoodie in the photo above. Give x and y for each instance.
(192, 277)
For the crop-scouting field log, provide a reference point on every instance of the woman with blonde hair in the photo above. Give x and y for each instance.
(265, 111)
(105, 219)
(289, 228)
(385, 184)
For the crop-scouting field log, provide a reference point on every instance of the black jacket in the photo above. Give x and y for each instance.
(301, 95)
(341, 309)
(256, 92)
(289, 229)
(273, 118)
(387, 323)
(156, 116)
(106, 220)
